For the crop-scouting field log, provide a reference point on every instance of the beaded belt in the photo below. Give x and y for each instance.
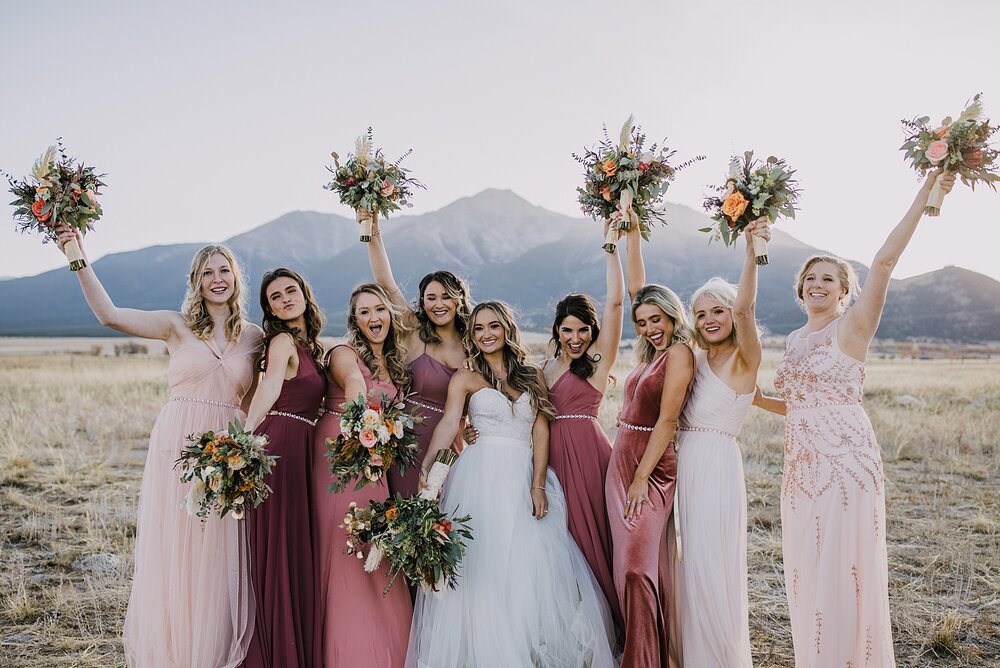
(576, 417)
(708, 429)
(205, 401)
(423, 405)
(311, 423)
(845, 403)
(633, 427)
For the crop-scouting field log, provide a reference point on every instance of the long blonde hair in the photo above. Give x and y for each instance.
(193, 308)
(520, 375)
(667, 301)
(393, 350)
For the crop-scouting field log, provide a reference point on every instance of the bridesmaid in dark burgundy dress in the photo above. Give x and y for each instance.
(642, 472)
(436, 324)
(579, 450)
(285, 408)
(356, 625)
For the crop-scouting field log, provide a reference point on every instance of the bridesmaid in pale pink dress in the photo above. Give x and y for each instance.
(642, 472)
(356, 624)
(435, 326)
(191, 603)
(833, 484)
(579, 450)
(284, 409)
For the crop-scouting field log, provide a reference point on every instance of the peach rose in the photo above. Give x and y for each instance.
(387, 189)
(937, 151)
(368, 438)
(735, 205)
(610, 167)
(942, 132)
(375, 460)
(36, 210)
(392, 513)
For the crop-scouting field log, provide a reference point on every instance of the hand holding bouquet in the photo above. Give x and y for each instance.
(961, 146)
(413, 535)
(625, 183)
(227, 471)
(752, 191)
(367, 181)
(373, 437)
(59, 192)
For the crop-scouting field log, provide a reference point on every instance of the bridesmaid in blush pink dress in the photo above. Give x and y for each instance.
(284, 409)
(190, 603)
(356, 625)
(833, 484)
(579, 450)
(435, 325)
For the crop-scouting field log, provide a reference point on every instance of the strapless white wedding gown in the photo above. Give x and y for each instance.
(526, 597)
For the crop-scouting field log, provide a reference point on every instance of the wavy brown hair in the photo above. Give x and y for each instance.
(458, 290)
(393, 350)
(520, 375)
(273, 325)
(582, 308)
(193, 308)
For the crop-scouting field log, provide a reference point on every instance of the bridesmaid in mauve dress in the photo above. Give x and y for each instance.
(356, 625)
(190, 603)
(579, 450)
(833, 485)
(641, 475)
(284, 409)
(435, 350)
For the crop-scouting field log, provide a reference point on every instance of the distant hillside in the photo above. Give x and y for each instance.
(508, 249)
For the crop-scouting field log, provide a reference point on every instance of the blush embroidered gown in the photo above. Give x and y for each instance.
(579, 453)
(525, 596)
(711, 580)
(355, 624)
(191, 603)
(832, 509)
(280, 534)
(642, 555)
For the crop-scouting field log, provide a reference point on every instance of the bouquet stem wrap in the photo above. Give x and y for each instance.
(437, 475)
(934, 199)
(74, 255)
(366, 230)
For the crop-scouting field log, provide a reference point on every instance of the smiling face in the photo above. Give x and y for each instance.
(487, 332)
(713, 319)
(822, 289)
(574, 337)
(439, 305)
(652, 324)
(372, 316)
(218, 281)
(285, 298)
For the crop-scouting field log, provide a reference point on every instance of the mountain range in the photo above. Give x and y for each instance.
(507, 248)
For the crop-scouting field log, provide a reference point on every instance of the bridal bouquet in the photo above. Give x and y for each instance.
(413, 535)
(59, 191)
(372, 438)
(368, 181)
(625, 182)
(226, 470)
(961, 145)
(752, 190)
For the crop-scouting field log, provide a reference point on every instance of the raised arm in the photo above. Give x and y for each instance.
(744, 308)
(861, 321)
(635, 268)
(146, 324)
(280, 353)
(611, 320)
(677, 379)
(459, 388)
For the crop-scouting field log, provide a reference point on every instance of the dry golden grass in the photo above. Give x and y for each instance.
(73, 433)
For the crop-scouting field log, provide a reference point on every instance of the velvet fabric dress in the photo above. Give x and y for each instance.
(283, 572)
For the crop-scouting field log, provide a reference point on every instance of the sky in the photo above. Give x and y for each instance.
(211, 118)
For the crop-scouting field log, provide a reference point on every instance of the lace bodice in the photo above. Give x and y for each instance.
(815, 372)
(495, 417)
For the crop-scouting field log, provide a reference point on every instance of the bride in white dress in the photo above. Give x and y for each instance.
(526, 597)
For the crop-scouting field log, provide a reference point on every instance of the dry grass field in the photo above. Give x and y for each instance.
(73, 432)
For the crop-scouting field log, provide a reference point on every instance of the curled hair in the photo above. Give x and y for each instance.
(845, 272)
(582, 308)
(393, 350)
(455, 288)
(520, 375)
(193, 308)
(273, 325)
(723, 292)
(667, 301)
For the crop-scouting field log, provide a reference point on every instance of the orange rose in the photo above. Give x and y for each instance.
(610, 166)
(36, 210)
(247, 486)
(735, 205)
(392, 513)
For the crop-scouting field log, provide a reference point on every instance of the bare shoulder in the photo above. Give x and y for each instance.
(680, 358)
(343, 354)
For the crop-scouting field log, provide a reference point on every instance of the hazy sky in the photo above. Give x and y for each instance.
(211, 118)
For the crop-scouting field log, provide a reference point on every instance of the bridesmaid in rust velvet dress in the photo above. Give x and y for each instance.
(355, 624)
(642, 473)
(435, 326)
(579, 450)
(285, 408)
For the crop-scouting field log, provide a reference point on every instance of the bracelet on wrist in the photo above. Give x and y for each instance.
(541, 487)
